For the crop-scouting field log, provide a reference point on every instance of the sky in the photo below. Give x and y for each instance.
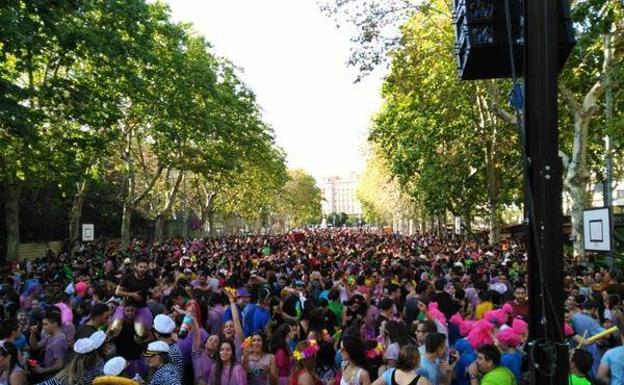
(294, 59)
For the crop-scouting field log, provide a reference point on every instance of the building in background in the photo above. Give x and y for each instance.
(339, 195)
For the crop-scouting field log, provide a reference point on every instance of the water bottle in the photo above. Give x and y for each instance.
(186, 325)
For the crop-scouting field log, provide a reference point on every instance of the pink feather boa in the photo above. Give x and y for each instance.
(481, 334)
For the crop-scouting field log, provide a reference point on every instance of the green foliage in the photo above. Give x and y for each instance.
(337, 219)
(302, 199)
(115, 93)
(441, 137)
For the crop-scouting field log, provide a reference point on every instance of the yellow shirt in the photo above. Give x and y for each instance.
(482, 308)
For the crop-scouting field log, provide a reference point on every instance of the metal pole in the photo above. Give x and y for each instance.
(543, 188)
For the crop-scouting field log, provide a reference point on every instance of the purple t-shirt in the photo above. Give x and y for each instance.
(55, 347)
(202, 365)
(215, 321)
(186, 344)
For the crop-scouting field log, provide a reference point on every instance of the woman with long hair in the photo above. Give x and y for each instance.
(12, 373)
(259, 363)
(396, 335)
(405, 371)
(203, 355)
(305, 358)
(226, 370)
(280, 349)
(233, 329)
(354, 363)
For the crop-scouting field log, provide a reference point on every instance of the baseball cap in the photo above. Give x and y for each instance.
(242, 292)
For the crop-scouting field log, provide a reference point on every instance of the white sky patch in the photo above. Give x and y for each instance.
(294, 59)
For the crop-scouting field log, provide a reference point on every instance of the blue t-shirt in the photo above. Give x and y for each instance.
(513, 362)
(581, 323)
(467, 356)
(430, 370)
(614, 359)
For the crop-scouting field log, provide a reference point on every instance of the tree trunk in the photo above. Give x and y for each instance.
(211, 225)
(159, 228)
(576, 177)
(125, 224)
(76, 214)
(11, 208)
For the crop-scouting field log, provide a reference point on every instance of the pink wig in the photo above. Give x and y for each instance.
(519, 326)
(436, 313)
(507, 308)
(497, 317)
(456, 319)
(464, 325)
(509, 337)
(481, 334)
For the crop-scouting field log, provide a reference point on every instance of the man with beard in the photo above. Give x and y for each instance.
(519, 303)
(137, 286)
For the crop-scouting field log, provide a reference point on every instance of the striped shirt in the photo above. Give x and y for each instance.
(87, 377)
(175, 357)
(166, 375)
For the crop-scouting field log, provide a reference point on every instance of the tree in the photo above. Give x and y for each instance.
(448, 156)
(301, 199)
(47, 48)
(594, 66)
(383, 200)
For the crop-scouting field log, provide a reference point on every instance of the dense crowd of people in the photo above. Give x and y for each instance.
(324, 307)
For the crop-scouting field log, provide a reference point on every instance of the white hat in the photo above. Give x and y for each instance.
(163, 324)
(115, 366)
(98, 338)
(156, 347)
(84, 346)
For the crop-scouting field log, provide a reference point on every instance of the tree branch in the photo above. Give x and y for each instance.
(149, 186)
(507, 116)
(568, 97)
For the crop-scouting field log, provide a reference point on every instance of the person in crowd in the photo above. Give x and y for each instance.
(128, 343)
(53, 342)
(203, 355)
(226, 370)
(487, 370)
(260, 364)
(137, 286)
(405, 371)
(164, 327)
(580, 364)
(85, 365)
(354, 362)
(305, 358)
(282, 352)
(519, 304)
(98, 318)
(433, 365)
(162, 371)
(423, 329)
(13, 372)
(611, 369)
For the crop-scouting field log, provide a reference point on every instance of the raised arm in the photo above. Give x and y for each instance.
(238, 329)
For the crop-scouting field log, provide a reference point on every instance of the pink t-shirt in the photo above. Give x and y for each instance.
(282, 360)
